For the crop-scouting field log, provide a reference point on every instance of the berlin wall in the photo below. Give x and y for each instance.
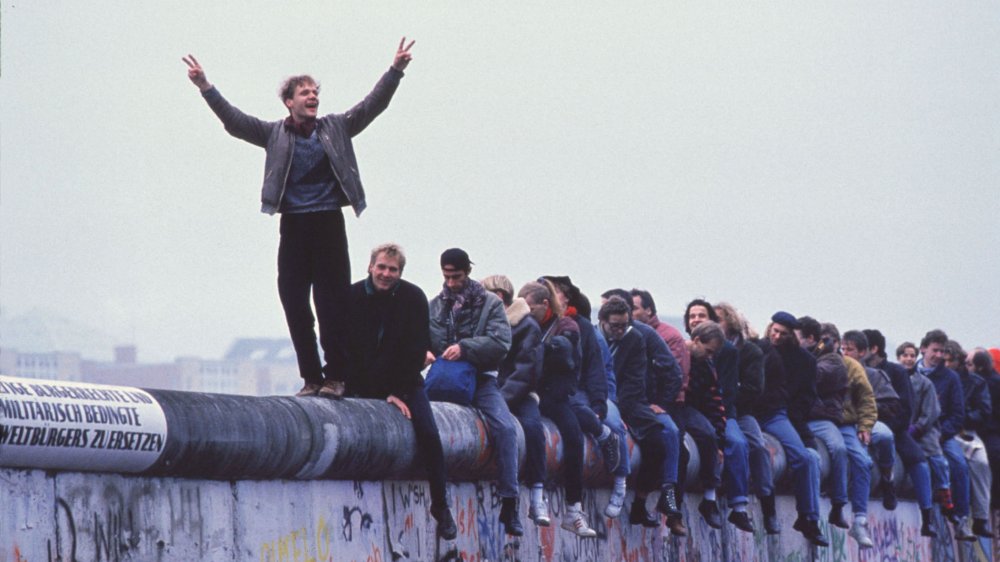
(101, 473)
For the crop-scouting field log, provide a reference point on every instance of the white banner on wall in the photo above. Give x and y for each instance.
(78, 426)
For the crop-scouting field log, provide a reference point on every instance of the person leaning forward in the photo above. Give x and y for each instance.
(310, 172)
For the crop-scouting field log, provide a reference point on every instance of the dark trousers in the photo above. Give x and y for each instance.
(528, 414)
(908, 449)
(562, 414)
(590, 422)
(992, 442)
(693, 422)
(429, 451)
(649, 477)
(312, 257)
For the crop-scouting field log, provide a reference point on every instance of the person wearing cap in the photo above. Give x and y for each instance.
(387, 345)
(469, 323)
(310, 173)
(789, 392)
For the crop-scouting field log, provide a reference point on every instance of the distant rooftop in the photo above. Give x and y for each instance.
(278, 350)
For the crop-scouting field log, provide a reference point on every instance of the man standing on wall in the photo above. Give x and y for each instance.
(388, 343)
(310, 172)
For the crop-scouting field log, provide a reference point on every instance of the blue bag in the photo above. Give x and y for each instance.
(451, 381)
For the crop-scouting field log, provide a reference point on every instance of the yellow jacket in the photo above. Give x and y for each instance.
(859, 408)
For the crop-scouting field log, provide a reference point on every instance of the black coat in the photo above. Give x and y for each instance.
(388, 340)
(629, 354)
(751, 377)
(521, 369)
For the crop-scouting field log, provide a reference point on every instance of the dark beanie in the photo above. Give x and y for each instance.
(456, 258)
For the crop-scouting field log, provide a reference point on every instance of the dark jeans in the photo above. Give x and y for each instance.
(312, 257)
(649, 477)
(562, 414)
(528, 414)
(992, 442)
(429, 450)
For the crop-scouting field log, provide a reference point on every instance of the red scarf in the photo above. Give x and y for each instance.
(571, 311)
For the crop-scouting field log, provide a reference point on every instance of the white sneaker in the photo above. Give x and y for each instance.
(617, 500)
(859, 532)
(538, 512)
(575, 521)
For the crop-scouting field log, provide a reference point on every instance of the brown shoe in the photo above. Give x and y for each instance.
(332, 389)
(676, 526)
(310, 389)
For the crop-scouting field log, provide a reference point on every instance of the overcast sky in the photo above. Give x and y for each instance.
(840, 160)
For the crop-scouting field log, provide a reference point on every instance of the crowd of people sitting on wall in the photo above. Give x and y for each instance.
(541, 351)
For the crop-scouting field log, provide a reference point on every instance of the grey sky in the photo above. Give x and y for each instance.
(838, 160)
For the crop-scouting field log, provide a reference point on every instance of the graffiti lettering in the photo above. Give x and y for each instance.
(347, 526)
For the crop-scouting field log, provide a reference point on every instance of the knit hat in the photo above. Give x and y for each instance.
(455, 258)
(786, 319)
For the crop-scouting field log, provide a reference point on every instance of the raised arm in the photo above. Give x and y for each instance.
(403, 56)
(196, 74)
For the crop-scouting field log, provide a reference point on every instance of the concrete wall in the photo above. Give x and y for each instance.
(100, 473)
(108, 517)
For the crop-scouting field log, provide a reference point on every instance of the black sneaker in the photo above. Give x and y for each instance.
(710, 511)
(741, 520)
(771, 525)
(927, 528)
(979, 527)
(611, 452)
(509, 517)
(446, 528)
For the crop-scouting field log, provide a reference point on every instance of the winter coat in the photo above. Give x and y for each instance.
(832, 389)
(664, 378)
(859, 408)
(629, 355)
(521, 368)
(800, 369)
(592, 388)
(904, 389)
(951, 398)
(978, 405)
(675, 341)
(775, 394)
(727, 367)
(926, 412)
(751, 369)
(485, 348)
(704, 394)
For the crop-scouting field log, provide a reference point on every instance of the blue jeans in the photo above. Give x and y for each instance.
(503, 432)
(761, 477)
(860, 469)
(829, 434)
(959, 468)
(614, 421)
(940, 473)
(920, 475)
(672, 442)
(736, 468)
(883, 446)
(803, 464)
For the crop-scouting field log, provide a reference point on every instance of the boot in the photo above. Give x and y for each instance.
(611, 451)
(927, 528)
(638, 515)
(888, 492)
(771, 526)
(810, 530)
(676, 525)
(836, 517)
(710, 512)
(980, 528)
(667, 504)
(446, 528)
(509, 517)
(575, 521)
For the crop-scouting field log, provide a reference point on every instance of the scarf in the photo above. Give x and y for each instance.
(304, 129)
(472, 296)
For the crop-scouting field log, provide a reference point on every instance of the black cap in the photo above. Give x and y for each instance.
(456, 258)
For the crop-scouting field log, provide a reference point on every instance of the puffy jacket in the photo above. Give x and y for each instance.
(521, 368)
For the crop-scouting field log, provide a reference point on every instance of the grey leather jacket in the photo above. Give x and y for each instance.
(334, 130)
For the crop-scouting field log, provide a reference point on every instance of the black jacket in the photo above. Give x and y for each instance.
(629, 354)
(751, 368)
(521, 369)
(388, 340)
